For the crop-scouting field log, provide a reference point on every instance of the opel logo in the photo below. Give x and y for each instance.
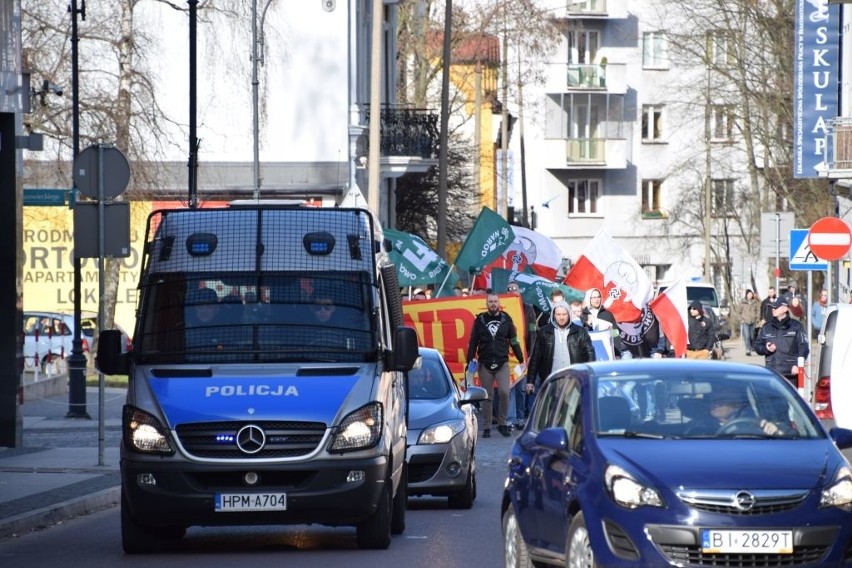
(744, 501)
(251, 439)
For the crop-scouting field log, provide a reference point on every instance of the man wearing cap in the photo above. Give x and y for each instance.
(783, 340)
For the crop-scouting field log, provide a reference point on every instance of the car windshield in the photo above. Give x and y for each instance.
(283, 316)
(704, 405)
(428, 381)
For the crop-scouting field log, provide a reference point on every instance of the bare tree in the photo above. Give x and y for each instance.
(734, 85)
(117, 101)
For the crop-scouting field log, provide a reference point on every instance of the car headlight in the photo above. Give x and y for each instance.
(144, 433)
(839, 493)
(361, 429)
(627, 492)
(441, 433)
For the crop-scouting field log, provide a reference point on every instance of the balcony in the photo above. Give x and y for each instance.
(574, 9)
(565, 77)
(409, 139)
(586, 153)
(839, 148)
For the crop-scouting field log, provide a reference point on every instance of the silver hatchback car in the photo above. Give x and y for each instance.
(442, 433)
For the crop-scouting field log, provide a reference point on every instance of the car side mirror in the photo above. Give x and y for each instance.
(405, 349)
(110, 358)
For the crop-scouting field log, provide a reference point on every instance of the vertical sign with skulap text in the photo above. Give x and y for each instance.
(815, 77)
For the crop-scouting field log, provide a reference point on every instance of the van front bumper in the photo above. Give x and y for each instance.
(161, 494)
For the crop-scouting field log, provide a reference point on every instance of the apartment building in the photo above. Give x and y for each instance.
(634, 137)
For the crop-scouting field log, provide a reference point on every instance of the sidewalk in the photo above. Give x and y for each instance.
(56, 475)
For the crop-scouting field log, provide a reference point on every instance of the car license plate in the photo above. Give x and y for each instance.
(240, 502)
(746, 541)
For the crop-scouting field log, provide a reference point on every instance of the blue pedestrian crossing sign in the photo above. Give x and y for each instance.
(801, 257)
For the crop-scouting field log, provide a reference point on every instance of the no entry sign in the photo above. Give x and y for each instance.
(830, 238)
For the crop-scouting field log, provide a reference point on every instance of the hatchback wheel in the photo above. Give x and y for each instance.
(515, 553)
(578, 553)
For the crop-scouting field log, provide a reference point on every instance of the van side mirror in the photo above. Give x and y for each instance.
(405, 349)
(110, 359)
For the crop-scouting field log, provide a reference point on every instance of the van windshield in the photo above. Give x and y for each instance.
(704, 294)
(245, 317)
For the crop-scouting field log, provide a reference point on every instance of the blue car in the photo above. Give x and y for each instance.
(676, 463)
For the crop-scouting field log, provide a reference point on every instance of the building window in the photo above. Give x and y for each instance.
(651, 189)
(654, 51)
(721, 122)
(583, 196)
(583, 46)
(652, 123)
(722, 199)
(720, 52)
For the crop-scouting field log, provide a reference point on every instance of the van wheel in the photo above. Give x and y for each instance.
(400, 503)
(464, 498)
(375, 532)
(135, 538)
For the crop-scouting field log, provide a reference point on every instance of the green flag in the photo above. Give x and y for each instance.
(489, 237)
(416, 263)
(534, 289)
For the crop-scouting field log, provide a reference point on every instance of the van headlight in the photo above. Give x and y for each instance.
(627, 491)
(359, 430)
(839, 493)
(441, 433)
(143, 433)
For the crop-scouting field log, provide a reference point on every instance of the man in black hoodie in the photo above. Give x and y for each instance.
(783, 340)
(492, 335)
(700, 333)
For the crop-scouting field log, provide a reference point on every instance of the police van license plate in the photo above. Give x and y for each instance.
(242, 502)
(746, 541)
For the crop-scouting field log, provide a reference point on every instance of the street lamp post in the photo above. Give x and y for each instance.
(77, 359)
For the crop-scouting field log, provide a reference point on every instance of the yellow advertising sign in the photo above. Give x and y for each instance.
(49, 262)
(445, 323)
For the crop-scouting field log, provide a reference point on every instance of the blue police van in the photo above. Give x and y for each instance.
(267, 376)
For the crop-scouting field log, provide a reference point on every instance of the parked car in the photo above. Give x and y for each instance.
(731, 468)
(832, 392)
(49, 337)
(442, 433)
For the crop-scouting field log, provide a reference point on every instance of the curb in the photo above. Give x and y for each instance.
(53, 514)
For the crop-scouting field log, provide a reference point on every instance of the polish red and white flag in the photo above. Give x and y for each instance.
(624, 285)
(670, 307)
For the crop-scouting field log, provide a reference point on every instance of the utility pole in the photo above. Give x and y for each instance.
(374, 166)
(525, 216)
(708, 275)
(193, 137)
(503, 201)
(443, 188)
(257, 43)
(77, 359)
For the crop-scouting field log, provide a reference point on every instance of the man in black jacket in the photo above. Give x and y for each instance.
(492, 335)
(700, 333)
(558, 344)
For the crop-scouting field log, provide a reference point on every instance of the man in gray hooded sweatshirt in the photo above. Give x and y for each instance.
(558, 344)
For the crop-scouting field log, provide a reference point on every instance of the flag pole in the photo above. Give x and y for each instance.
(447, 277)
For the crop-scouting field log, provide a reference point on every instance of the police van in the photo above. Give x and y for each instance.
(267, 376)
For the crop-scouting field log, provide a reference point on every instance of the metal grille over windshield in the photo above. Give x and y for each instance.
(243, 285)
